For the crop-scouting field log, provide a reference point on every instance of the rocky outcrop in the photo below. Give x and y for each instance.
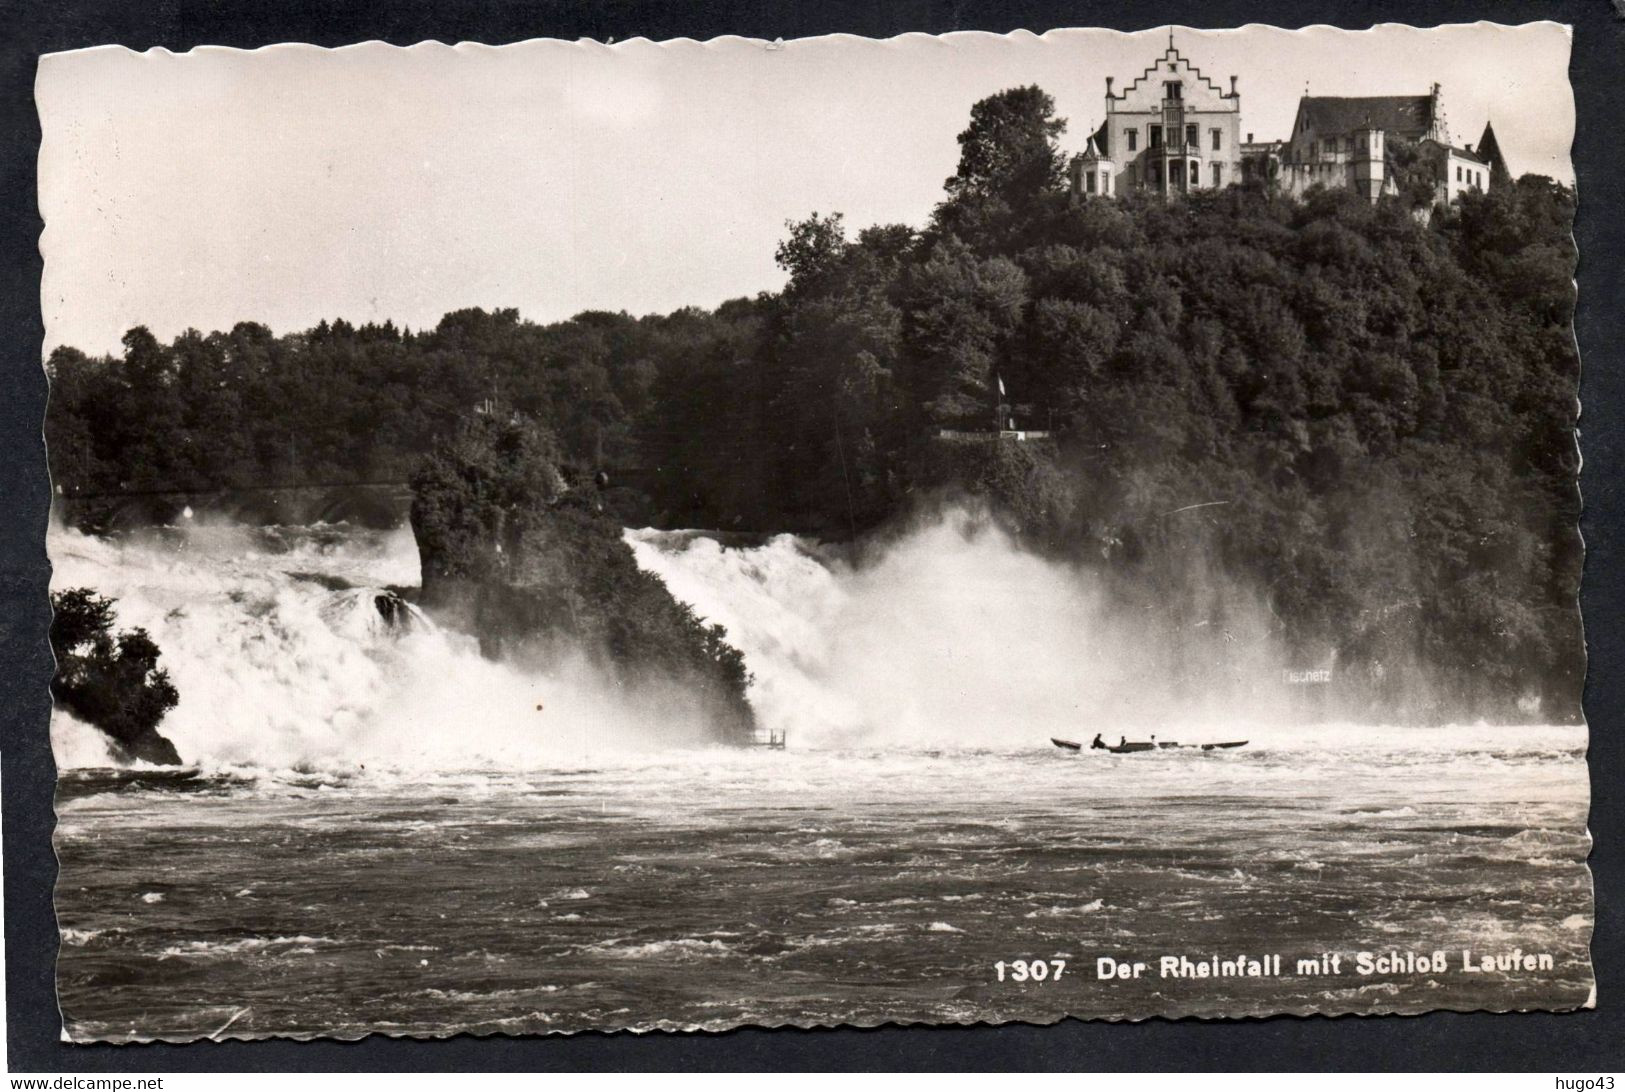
(530, 566)
(110, 680)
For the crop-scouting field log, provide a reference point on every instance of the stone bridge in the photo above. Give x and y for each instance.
(367, 504)
(380, 505)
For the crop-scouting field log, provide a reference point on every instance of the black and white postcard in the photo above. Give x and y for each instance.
(683, 535)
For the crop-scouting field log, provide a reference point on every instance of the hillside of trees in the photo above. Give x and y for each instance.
(1374, 406)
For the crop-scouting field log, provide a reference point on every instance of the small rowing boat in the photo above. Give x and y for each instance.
(1129, 747)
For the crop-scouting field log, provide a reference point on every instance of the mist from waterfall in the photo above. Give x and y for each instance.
(945, 634)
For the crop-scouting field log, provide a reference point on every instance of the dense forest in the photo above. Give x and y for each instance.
(1363, 413)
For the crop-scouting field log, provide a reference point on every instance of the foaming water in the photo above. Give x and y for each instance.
(951, 635)
(819, 887)
(282, 657)
(948, 637)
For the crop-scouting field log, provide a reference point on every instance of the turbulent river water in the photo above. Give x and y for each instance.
(390, 834)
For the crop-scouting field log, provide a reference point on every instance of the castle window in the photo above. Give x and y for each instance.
(1217, 175)
(1215, 133)
(1458, 172)
(1089, 182)
(1192, 136)
(1156, 136)
(1171, 89)
(1133, 139)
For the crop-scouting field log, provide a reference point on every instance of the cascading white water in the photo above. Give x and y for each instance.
(952, 636)
(282, 658)
(948, 636)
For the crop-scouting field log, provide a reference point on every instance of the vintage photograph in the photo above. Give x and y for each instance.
(684, 535)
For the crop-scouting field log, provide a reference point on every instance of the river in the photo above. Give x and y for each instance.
(387, 835)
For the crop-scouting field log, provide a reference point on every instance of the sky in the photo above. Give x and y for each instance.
(290, 184)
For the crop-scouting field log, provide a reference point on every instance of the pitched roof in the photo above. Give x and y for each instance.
(1460, 153)
(1410, 116)
(1489, 150)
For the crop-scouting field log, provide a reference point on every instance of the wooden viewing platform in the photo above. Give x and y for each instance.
(772, 738)
(992, 435)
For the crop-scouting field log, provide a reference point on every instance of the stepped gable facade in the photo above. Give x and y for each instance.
(1169, 130)
(1172, 130)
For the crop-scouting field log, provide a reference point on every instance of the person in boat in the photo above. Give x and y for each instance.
(1122, 741)
(1095, 744)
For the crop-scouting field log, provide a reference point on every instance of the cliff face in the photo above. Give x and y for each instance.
(514, 557)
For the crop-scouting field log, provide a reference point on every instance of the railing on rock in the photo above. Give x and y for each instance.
(772, 738)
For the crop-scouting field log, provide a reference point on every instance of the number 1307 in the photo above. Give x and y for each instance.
(1029, 970)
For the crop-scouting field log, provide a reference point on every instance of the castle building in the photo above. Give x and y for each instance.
(1172, 130)
(1342, 142)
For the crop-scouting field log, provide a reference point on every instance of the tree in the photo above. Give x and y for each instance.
(536, 571)
(959, 313)
(110, 681)
(1010, 173)
(1009, 150)
(1414, 172)
(812, 252)
(469, 496)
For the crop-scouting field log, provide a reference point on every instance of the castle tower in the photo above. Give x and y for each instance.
(1368, 167)
(1489, 150)
(1093, 172)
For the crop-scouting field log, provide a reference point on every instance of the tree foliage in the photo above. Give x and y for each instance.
(1009, 150)
(110, 680)
(535, 568)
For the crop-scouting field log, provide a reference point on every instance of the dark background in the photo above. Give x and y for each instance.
(1565, 1043)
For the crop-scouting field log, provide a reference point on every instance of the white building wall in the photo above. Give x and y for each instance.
(1144, 111)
